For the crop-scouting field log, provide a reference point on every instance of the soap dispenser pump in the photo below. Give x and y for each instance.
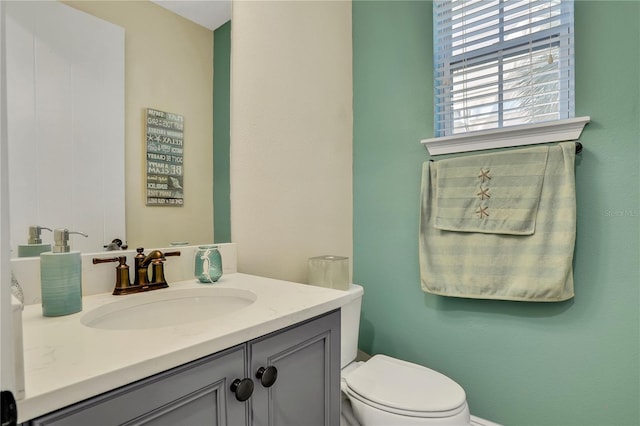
(34, 244)
(61, 277)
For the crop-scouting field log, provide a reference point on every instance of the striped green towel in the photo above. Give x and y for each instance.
(492, 193)
(479, 261)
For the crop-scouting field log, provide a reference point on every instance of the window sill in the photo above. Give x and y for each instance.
(530, 134)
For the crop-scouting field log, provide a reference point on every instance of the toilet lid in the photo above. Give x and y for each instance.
(401, 385)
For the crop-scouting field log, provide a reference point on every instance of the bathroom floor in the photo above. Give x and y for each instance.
(476, 421)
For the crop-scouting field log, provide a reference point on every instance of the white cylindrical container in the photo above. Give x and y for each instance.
(329, 271)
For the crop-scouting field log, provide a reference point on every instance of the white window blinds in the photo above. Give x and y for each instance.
(500, 63)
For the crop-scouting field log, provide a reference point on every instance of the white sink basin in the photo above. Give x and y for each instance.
(163, 308)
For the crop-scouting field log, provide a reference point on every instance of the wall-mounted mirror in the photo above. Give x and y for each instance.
(65, 107)
(169, 67)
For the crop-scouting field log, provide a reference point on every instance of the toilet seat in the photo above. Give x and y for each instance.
(406, 389)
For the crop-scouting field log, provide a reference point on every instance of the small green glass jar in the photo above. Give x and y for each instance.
(208, 264)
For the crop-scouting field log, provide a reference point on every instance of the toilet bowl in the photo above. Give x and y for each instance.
(387, 391)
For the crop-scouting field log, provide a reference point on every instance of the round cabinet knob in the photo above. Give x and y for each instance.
(267, 376)
(243, 389)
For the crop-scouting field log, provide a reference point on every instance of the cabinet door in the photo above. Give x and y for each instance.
(194, 394)
(307, 388)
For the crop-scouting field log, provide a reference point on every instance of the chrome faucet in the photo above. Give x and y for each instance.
(141, 275)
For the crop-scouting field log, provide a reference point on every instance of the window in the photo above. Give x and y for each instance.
(502, 63)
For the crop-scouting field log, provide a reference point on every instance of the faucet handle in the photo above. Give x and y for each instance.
(97, 260)
(122, 272)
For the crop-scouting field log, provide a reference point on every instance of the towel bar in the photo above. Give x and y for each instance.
(578, 149)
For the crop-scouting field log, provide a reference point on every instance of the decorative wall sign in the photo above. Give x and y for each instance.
(165, 168)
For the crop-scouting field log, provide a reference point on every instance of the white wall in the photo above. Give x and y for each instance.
(291, 134)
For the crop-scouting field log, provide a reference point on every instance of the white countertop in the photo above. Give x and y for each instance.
(67, 362)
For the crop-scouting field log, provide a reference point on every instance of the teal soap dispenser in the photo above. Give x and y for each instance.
(61, 277)
(34, 244)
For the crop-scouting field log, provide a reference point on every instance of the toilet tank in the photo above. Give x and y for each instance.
(350, 325)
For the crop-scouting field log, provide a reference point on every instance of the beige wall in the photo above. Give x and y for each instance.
(291, 134)
(168, 66)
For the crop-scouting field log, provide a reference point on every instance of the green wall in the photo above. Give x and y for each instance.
(221, 88)
(571, 363)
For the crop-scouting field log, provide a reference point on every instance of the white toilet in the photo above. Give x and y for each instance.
(385, 391)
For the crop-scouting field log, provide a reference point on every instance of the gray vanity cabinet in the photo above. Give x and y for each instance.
(193, 394)
(304, 391)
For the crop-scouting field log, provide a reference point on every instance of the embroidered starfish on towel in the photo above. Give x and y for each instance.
(484, 175)
(484, 193)
(482, 212)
